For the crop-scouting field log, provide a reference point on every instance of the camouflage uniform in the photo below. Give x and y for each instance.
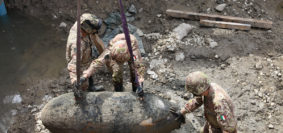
(218, 110)
(86, 52)
(117, 66)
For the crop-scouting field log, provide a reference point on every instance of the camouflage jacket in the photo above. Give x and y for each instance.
(105, 56)
(86, 52)
(218, 108)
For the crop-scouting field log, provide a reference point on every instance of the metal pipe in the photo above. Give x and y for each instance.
(3, 10)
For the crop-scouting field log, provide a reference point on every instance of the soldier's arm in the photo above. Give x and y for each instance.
(139, 66)
(97, 64)
(192, 105)
(225, 117)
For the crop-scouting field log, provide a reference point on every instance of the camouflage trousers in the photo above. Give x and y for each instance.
(207, 128)
(84, 85)
(117, 76)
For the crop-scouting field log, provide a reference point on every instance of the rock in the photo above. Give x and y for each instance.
(260, 94)
(216, 56)
(159, 15)
(220, 1)
(33, 110)
(62, 25)
(37, 128)
(182, 30)
(29, 106)
(187, 96)
(139, 32)
(172, 101)
(220, 7)
(180, 56)
(153, 36)
(223, 66)
(270, 126)
(141, 9)
(14, 112)
(154, 76)
(39, 122)
(258, 66)
(150, 72)
(213, 44)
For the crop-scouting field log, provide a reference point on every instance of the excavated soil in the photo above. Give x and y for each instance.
(248, 64)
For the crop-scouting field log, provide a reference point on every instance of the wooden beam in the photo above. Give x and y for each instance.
(198, 16)
(228, 25)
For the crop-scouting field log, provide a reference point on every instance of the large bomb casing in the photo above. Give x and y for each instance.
(108, 112)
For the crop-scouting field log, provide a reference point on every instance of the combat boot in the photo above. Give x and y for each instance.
(119, 88)
(94, 88)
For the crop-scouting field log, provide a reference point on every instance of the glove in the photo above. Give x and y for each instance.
(177, 113)
(140, 93)
(82, 79)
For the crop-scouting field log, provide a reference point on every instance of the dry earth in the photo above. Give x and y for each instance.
(248, 64)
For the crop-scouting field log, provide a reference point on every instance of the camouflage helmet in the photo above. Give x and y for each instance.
(120, 52)
(197, 83)
(90, 22)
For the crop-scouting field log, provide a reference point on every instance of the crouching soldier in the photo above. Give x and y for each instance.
(218, 106)
(117, 54)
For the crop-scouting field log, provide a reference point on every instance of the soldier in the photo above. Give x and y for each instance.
(90, 24)
(218, 106)
(117, 54)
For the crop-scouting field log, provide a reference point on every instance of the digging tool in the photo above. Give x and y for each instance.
(77, 88)
(128, 40)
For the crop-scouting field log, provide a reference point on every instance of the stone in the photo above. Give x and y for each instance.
(258, 66)
(62, 25)
(187, 96)
(141, 9)
(172, 101)
(29, 106)
(150, 72)
(213, 44)
(37, 128)
(223, 66)
(270, 126)
(260, 94)
(216, 56)
(180, 56)
(14, 112)
(153, 36)
(182, 30)
(220, 7)
(33, 110)
(154, 76)
(220, 1)
(139, 32)
(159, 15)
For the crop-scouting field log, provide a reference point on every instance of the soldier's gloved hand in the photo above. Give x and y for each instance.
(177, 113)
(140, 93)
(82, 79)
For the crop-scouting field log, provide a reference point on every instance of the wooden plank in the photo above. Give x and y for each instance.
(198, 16)
(228, 25)
(101, 47)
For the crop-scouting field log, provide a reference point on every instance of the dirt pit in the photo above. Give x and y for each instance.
(248, 64)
